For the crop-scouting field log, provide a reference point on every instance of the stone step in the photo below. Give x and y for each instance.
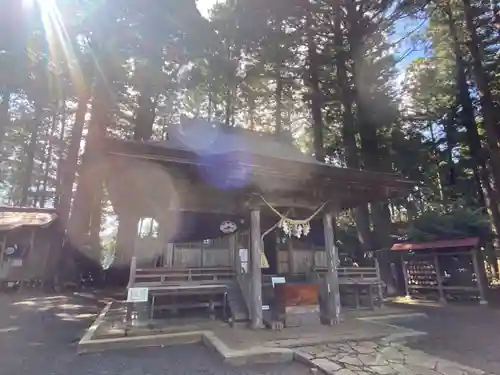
(239, 311)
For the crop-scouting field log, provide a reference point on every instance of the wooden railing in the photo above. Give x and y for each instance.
(172, 276)
(346, 274)
(165, 275)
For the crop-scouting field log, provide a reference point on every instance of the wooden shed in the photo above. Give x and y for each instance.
(445, 270)
(30, 243)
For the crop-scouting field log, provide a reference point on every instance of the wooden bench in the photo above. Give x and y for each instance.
(205, 285)
(359, 278)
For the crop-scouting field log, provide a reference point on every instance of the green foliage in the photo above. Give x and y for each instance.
(444, 222)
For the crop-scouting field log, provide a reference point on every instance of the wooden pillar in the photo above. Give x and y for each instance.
(291, 259)
(234, 256)
(380, 293)
(2, 247)
(125, 238)
(255, 270)
(479, 277)
(439, 278)
(133, 267)
(332, 277)
(405, 276)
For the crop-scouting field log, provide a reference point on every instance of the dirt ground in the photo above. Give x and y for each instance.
(38, 336)
(466, 334)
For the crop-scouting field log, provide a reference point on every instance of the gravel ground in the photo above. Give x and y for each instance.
(38, 337)
(468, 335)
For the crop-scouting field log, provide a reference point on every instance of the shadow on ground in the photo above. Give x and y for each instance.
(38, 336)
(465, 334)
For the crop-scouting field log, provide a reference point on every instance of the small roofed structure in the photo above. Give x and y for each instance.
(30, 243)
(447, 269)
(247, 185)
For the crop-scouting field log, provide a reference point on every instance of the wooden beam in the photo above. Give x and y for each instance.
(256, 272)
(291, 258)
(439, 278)
(234, 256)
(332, 278)
(479, 276)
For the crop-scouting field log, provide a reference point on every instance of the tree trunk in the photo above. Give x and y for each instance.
(146, 102)
(381, 229)
(70, 164)
(90, 178)
(229, 103)
(278, 98)
(370, 149)
(361, 214)
(60, 154)
(492, 131)
(210, 102)
(451, 141)
(95, 222)
(488, 194)
(48, 158)
(315, 91)
(30, 157)
(4, 116)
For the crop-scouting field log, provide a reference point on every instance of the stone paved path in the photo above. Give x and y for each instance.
(370, 357)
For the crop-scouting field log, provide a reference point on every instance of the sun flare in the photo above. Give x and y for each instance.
(61, 50)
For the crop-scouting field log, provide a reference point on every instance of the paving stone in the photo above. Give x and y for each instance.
(402, 369)
(351, 361)
(383, 370)
(345, 371)
(370, 360)
(324, 348)
(421, 370)
(305, 355)
(367, 344)
(326, 365)
(392, 354)
(308, 349)
(324, 355)
(315, 351)
(337, 357)
(345, 347)
(421, 359)
(353, 368)
(364, 349)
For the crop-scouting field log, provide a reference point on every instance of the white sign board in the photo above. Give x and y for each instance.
(243, 255)
(16, 263)
(137, 295)
(278, 280)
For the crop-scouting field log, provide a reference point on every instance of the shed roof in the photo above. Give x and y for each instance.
(16, 217)
(445, 244)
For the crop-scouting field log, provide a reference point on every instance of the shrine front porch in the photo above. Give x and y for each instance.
(239, 345)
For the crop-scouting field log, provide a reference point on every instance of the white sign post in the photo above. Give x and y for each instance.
(137, 295)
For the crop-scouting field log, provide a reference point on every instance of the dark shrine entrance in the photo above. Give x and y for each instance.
(271, 254)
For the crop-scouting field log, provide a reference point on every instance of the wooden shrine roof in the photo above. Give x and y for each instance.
(444, 244)
(200, 145)
(243, 160)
